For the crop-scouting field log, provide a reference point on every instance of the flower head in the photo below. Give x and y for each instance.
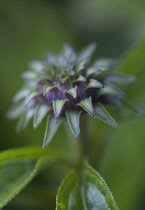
(68, 85)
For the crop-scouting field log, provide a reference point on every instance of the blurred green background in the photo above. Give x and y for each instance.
(29, 28)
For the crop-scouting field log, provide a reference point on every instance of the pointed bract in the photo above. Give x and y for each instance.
(108, 90)
(24, 119)
(86, 104)
(65, 79)
(93, 71)
(85, 56)
(51, 128)
(120, 79)
(28, 75)
(31, 96)
(46, 89)
(72, 92)
(132, 108)
(79, 79)
(102, 114)
(93, 83)
(15, 111)
(86, 53)
(105, 64)
(52, 60)
(73, 119)
(40, 113)
(69, 53)
(34, 76)
(37, 66)
(21, 94)
(58, 106)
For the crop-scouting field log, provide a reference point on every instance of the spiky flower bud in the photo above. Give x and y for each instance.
(65, 86)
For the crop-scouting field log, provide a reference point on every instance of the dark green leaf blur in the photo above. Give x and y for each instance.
(30, 28)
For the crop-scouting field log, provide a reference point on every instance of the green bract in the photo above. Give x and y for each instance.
(65, 86)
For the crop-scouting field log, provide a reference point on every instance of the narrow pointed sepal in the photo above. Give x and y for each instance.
(24, 119)
(37, 66)
(30, 97)
(85, 56)
(34, 76)
(15, 111)
(86, 104)
(73, 119)
(51, 128)
(105, 64)
(58, 106)
(120, 79)
(102, 114)
(111, 90)
(29, 75)
(40, 113)
(20, 95)
(93, 83)
(46, 89)
(72, 92)
(69, 53)
(93, 71)
(132, 108)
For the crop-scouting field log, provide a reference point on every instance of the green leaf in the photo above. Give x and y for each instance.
(18, 167)
(40, 113)
(86, 190)
(46, 89)
(31, 96)
(24, 119)
(51, 128)
(58, 106)
(102, 114)
(72, 92)
(73, 119)
(27, 153)
(93, 83)
(86, 104)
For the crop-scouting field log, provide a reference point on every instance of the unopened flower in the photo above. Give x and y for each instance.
(65, 86)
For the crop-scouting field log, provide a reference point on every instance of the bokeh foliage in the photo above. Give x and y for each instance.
(28, 29)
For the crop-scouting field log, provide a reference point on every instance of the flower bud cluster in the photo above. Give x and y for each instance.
(65, 86)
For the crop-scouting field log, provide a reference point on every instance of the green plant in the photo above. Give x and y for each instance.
(67, 87)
